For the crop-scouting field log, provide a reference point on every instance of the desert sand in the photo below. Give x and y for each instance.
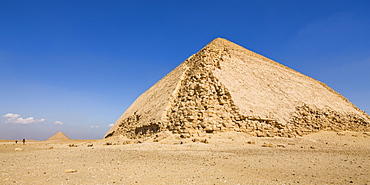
(222, 158)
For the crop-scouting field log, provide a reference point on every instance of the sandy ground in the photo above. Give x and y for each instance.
(228, 158)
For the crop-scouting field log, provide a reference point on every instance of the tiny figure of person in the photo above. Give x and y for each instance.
(16, 141)
(24, 141)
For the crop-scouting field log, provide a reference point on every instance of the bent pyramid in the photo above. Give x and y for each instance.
(60, 136)
(225, 87)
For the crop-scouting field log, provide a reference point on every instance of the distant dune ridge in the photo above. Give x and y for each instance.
(60, 136)
(225, 87)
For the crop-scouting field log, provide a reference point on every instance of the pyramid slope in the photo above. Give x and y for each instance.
(60, 136)
(146, 111)
(275, 88)
(226, 87)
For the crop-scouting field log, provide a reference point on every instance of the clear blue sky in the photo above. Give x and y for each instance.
(76, 66)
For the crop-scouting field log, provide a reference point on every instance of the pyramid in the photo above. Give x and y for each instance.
(225, 87)
(60, 136)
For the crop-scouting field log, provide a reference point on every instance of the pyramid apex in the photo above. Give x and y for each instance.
(222, 42)
(218, 39)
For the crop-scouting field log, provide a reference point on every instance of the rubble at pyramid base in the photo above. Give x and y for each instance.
(306, 120)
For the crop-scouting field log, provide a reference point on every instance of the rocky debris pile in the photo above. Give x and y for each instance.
(308, 119)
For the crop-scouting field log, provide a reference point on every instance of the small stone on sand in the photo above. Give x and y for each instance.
(70, 171)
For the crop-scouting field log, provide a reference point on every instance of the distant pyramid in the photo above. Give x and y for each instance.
(60, 136)
(225, 87)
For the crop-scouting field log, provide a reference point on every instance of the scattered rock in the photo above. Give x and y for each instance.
(281, 146)
(299, 132)
(261, 134)
(90, 145)
(18, 149)
(70, 171)
(251, 142)
(72, 145)
(267, 145)
(126, 142)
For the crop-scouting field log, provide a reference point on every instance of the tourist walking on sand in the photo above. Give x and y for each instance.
(24, 141)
